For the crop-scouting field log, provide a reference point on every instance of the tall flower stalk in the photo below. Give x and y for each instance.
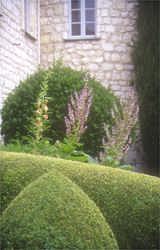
(41, 111)
(78, 112)
(119, 139)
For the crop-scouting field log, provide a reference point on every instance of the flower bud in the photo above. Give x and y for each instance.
(45, 117)
(45, 108)
(38, 111)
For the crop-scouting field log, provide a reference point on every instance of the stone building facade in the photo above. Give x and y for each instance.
(37, 32)
(106, 54)
(19, 50)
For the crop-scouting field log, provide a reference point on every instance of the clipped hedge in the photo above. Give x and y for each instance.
(54, 213)
(130, 202)
(19, 107)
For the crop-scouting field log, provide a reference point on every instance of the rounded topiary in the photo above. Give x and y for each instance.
(54, 213)
(19, 107)
(129, 201)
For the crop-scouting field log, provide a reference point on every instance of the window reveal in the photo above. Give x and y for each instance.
(31, 17)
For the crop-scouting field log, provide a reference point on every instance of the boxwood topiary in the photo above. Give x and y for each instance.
(54, 213)
(129, 201)
(19, 107)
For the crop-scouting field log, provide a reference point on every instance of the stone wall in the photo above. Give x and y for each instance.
(108, 57)
(19, 53)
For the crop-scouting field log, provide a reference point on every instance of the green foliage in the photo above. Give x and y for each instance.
(72, 150)
(129, 201)
(54, 213)
(133, 134)
(68, 149)
(42, 147)
(111, 159)
(19, 108)
(146, 61)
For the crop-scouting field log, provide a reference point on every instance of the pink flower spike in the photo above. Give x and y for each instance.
(78, 112)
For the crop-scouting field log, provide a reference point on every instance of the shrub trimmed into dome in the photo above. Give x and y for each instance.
(54, 213)
(130, 202)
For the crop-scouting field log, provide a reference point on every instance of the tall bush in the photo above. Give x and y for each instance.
(19, 108)
(146, 60)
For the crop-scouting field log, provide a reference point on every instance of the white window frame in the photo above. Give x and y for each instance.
(82, 21)
(32, 34)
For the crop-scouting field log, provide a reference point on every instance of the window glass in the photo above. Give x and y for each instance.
(76, 16)
(90, 15)
(90, 3)
(75, 4)
(90, 29)
(76, 29)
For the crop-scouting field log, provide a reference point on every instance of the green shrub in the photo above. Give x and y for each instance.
(129, 201)
(146, 61)
(19, 107)
(54, 213)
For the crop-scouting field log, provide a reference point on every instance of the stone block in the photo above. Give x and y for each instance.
(98, 59)
(93, 67)
(110, 28)
(115, 57)
(104, 12)
(108, 47)
(107, 56)
(108, 66)
(120, 4)
(119, 67)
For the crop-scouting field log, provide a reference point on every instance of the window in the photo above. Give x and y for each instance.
(82, 18)
(31, 17)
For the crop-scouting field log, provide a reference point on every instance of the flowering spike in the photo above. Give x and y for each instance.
(78, 112)
(41, 112)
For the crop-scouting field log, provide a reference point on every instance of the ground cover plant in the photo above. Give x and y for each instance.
(19, 108)
(129, 202)
(54, 213)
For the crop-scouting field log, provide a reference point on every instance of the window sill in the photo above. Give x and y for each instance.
(80, 38)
